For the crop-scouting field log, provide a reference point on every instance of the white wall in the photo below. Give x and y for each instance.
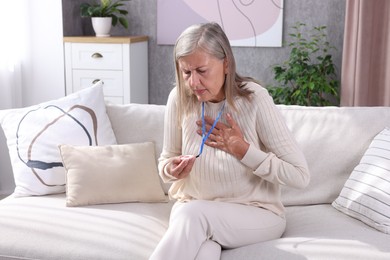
(42, 65)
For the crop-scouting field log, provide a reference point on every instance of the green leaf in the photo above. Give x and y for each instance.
(114, 20)
(106, 8)
(309, 75)
(124, 22)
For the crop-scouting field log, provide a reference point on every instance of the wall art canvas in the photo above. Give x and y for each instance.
(252, 23)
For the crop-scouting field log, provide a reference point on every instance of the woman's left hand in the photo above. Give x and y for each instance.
(227, 137)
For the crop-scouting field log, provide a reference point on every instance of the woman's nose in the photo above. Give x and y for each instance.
(194, 80)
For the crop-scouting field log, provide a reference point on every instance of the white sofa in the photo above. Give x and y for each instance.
(333, 140)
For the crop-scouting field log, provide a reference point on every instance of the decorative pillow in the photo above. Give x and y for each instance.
(111, 174)
(366, 194)
(34, 133)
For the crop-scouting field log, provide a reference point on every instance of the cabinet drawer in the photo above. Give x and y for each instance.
(97, 56)
(113, 81)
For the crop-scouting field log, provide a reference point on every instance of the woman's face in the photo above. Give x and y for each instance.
(204, 75)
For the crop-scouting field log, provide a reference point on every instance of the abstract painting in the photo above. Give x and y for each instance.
(252, 23)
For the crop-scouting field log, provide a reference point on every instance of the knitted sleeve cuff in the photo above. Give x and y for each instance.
(253, 157)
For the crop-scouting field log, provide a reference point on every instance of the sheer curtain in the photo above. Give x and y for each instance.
(12, 30)
(365, 79)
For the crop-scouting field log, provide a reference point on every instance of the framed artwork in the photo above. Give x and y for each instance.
(252, 23)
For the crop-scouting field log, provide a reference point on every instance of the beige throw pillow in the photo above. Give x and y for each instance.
(111, 174)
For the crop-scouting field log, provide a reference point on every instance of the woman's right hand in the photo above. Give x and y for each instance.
(180, 166)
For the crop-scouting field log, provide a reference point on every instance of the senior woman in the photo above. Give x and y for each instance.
(227, 152)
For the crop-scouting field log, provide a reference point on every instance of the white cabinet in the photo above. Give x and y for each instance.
(120, 62)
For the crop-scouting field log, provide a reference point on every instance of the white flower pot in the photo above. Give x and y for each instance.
(102, 26)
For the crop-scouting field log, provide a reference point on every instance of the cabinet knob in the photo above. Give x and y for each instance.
(96, 81)
(97, 55)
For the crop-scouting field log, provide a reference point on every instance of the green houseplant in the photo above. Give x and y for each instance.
(308, 77)
(109, 10)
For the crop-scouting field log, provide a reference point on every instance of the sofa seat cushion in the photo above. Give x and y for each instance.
(44, 228)
(319, 232)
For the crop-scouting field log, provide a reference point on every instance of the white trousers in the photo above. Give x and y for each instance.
(199, 229)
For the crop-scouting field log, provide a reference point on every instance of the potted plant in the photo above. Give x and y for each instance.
(105, 14)
(308, 77)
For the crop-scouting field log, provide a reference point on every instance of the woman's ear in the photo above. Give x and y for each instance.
(226, 66)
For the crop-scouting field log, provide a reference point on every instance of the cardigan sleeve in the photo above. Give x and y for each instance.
(172, 143)
(280, 160)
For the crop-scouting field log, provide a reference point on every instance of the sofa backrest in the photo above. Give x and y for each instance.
(132, 123)
(136, 123)
(333, 140)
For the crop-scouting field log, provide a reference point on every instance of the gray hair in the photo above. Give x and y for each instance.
(210, 38)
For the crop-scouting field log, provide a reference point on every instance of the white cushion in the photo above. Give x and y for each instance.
(34, 133)
(43, 228)
(111, 174)
(319, 232)
(366, 194)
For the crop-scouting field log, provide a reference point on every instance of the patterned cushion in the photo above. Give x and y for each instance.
(366, 194)
(34, 133)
